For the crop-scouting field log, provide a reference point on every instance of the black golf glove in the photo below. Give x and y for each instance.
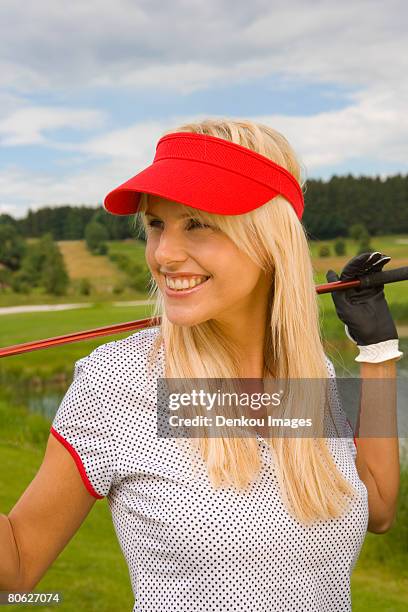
(365, 312)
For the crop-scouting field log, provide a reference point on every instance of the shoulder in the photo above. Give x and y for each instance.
(330, 367)
(119, 362)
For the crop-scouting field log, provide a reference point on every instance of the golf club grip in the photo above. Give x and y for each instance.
(382, 278)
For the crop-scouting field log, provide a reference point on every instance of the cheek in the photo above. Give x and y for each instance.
(149, 255)
(233, 281)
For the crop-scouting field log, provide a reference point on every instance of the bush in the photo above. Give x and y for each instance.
(43, 266)
(118, 289)
(324, 251)
(358, 231)
(20, 286)
(102, 249)
(12, 247)
(95, 236)
(364, 246)
(138, 273)
(54, 277)
(5, 278)
(340, 247)
(84, 286)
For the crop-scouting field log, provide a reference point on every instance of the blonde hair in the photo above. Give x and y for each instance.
(311, 485)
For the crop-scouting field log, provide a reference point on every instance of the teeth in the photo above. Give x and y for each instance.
(184, 283)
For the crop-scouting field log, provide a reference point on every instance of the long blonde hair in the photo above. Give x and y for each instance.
(311, 485)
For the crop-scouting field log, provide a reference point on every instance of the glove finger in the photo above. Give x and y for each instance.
(331, 276)
(348, 334)
(355, 267)
(339, 297)
(375, 255)
(363, 264)
(380, 263)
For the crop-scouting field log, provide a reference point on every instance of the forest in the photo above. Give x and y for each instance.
(381, 205)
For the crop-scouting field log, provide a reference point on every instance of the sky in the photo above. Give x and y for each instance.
(87, 87)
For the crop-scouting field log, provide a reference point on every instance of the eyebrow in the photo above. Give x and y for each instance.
(150, 214)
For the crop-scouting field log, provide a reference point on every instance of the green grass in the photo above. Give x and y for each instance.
(90, 573)
(378, 589)
(86, 579)
(130, 248)
(388, 244)
(25, 327)
(77, 260)
(89, 579)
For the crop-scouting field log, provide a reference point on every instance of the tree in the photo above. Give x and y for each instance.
(340, 247)
(324, 251)
(12, 246)
(95, 235)
(5, 277)
(54, 277)
(364, 245)
(43, 266)
(84, 286)
(358, 231)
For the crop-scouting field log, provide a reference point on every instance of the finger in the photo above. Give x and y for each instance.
(381, 262)
(346, 329)
(331, 276)
(363, 264)
(373, 254)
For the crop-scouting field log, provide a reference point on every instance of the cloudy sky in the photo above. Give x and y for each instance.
(88, 86)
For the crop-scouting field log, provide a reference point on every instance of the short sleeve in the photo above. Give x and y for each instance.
(81, 424)
(345, 425)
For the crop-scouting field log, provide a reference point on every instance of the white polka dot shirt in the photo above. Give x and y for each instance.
(190, 547)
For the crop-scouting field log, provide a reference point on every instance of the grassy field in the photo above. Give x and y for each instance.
(23, 327)
(104, 274)
(80, 263)
(87, 578)
(90, 580)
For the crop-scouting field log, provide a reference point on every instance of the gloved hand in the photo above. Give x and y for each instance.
(365, 312)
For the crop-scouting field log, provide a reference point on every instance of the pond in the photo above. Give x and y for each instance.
(45, 398)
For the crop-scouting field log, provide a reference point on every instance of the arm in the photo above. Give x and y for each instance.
(43, 520)
(369, 324)
(377, 459)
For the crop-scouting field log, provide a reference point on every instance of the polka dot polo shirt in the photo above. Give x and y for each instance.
(190, 547)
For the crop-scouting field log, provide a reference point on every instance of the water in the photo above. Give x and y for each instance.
(46, 399)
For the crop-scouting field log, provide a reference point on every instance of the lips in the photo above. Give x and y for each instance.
(198, 278)
(184, 292)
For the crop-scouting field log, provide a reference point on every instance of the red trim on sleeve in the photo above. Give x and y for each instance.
(354, 438)
(78, 462)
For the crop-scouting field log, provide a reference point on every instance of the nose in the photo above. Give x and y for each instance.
(169, 248)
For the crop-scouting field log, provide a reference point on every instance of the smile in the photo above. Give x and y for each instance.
(177, 288)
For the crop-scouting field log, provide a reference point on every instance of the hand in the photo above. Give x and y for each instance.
(365, 312)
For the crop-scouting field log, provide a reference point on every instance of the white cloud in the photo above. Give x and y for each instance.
(69, 49)
(374, 128)
(26, 126)
(147, 43)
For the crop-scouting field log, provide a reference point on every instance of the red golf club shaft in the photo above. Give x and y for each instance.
(149, 322)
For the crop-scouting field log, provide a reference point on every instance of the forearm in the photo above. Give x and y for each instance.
(377, 458)
(9, 559)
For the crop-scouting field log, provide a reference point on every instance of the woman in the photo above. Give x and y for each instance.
(216, 523)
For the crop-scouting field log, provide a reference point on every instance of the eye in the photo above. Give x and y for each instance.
(195, 223)
(151, 223)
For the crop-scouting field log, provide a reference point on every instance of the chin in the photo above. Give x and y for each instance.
(187, 321)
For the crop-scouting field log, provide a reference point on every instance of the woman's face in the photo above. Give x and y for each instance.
(236, 286)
